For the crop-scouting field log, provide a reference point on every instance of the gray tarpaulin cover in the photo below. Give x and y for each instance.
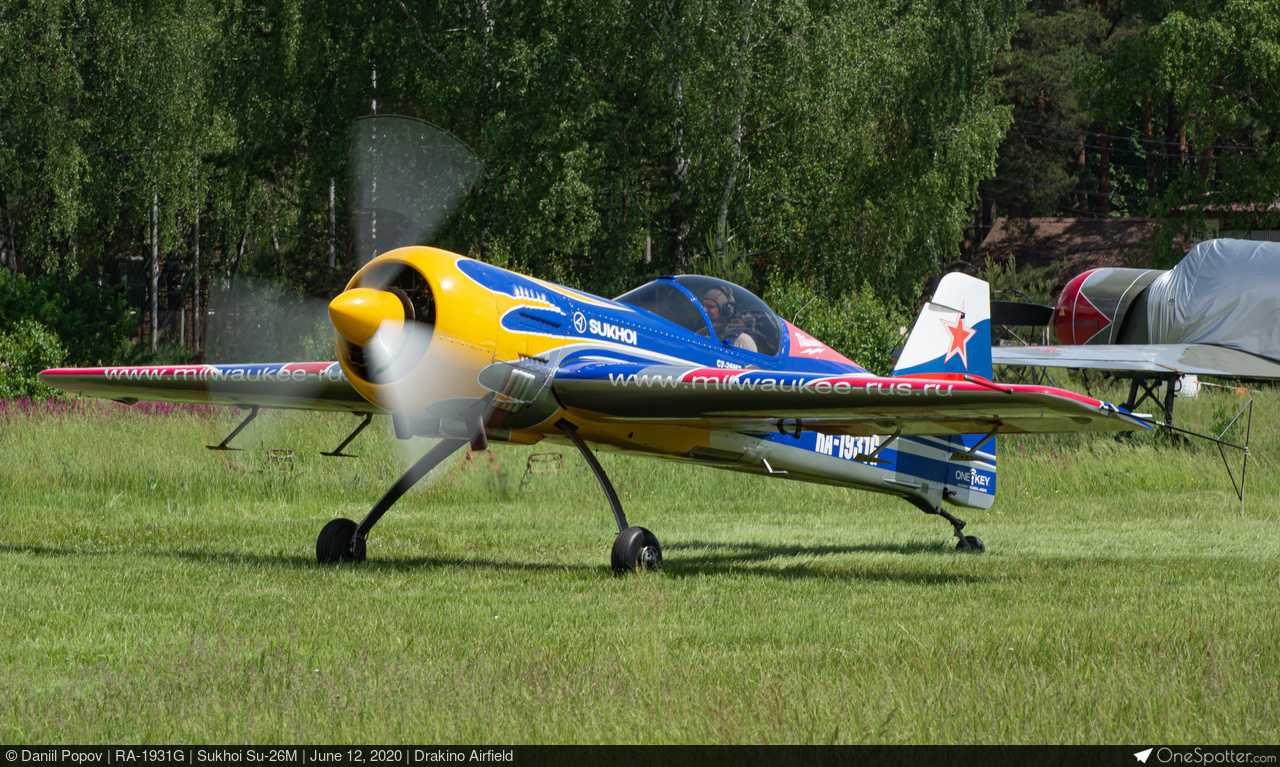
(1224, 292)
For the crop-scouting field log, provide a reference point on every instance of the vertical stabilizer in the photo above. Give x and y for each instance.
(951, 339)
(952, 336)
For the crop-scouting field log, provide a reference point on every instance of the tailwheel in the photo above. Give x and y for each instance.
(334, 542)
(636, 549)
(971, 544)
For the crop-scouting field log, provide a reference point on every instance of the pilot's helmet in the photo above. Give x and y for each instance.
(722, 296)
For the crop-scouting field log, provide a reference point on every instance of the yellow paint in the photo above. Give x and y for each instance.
(636, 437)
(357, 314)
(527, 437)
(468, 336)
(464, 340)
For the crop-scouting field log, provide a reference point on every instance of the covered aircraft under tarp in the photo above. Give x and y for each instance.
(1224, 292)
(1216, 313)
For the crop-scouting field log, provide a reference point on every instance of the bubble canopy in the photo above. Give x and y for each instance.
(709, 306)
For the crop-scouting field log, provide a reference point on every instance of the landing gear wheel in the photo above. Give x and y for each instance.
(636, 549)
(334, 543)
(971, 544)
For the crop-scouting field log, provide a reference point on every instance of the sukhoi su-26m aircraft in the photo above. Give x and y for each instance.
(684, 368)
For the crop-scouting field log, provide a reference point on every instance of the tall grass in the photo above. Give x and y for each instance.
(157, 591)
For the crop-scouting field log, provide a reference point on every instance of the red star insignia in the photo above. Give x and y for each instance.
(960, 336)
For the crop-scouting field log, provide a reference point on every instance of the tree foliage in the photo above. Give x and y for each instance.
(834, 140)
(26, 350)
(1040, 158)
(104, 107)
(843, 140)
(856, 324)
(1163, 108)
(1217, 68)
(93, 322)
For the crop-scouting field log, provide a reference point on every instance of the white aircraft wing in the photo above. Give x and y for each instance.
(291, 385)
(1181, 359)
(857, 404)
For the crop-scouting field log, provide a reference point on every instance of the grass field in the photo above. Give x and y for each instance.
(156, 591)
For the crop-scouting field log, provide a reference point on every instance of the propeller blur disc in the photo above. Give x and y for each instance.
(408, 178)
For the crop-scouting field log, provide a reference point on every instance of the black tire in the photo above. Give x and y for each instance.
(975, 545)
(334, 542)
(636, 549)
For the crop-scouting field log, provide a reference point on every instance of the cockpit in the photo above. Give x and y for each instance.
(713, 308)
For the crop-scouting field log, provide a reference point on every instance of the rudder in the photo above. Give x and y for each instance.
(952, 335)
(951, 339)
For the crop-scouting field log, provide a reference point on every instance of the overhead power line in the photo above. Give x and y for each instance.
(1135, 151)
(1134, 138)
(1020, 182)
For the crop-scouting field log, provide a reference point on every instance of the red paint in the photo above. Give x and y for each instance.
(960, 336)
(1075, 319)
(707, 375)
(805, 345)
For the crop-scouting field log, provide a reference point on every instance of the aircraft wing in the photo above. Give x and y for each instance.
(860, 405)
(1196, 359)
(286, 385)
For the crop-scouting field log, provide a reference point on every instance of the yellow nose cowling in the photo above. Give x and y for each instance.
(358, 313)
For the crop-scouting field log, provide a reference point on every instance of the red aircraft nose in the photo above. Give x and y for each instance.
(1075, 318)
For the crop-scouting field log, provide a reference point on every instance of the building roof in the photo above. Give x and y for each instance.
(1079, 244)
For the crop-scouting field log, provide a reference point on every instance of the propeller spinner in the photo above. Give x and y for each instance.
(358, 314)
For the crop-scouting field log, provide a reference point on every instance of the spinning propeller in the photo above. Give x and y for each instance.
(409, 339)
(387, 339)
(409, 344)
(397, 343)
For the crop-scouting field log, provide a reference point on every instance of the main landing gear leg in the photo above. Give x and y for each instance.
(968, 543)
(337, 451)
(635, 548)
(343, 540)
(253, 413)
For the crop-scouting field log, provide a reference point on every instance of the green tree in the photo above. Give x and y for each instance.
(838, 140)
(1154, 108)
(103, 108)
(42, 161)
(841, 139)
(857, 324)
(94, 321)
(105, 117)
(1216, 68)
(26, 350)
(1044, 157)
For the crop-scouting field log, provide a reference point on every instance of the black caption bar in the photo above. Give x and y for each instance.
(644, 756)
(122, 756)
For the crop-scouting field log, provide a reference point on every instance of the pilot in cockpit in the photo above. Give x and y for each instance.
(719, 305)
